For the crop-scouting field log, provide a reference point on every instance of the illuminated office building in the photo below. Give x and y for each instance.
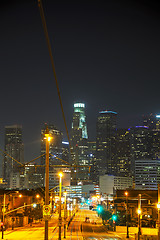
(79, 140)
(105, 142)
(14, 148)
(152, 121)
(140, 144)
(122, 153)
(147, 174)
(55, 147)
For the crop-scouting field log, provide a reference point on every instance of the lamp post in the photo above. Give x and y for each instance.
(126, 194)
(65, 212)
(60, 194)
(48, 139)
(139, 211)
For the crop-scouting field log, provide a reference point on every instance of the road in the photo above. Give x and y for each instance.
(78, 229)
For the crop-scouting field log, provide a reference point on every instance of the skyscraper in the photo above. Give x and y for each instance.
(79, 138)
(105, 142)
(122, 153)
(140, 144)
(55, 147)
(152, 121)
(14, 148)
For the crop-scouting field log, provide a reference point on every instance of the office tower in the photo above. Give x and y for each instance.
(65, 151)
(15, 151)
(55, 147)
(122, 153)
(105, 142)
(33, 177)
(108, 183)
(152, 121)
(92, 160)
(79, 138)
(153, 124)
(147, 174)
(141, 145)
(54, 177)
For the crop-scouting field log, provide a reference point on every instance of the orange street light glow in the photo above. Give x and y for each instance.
(48, 137)
(60, 174)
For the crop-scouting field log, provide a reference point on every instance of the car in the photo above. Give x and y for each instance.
(94, 209)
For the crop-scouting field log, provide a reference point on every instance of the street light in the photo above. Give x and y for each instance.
(48, 139)
(37, 196)
(139, 211)
(65, 212)
(60, 194)
(126, 194)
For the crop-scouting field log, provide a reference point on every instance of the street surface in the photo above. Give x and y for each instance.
(78, 229)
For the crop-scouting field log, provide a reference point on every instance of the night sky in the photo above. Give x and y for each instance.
(106, 55)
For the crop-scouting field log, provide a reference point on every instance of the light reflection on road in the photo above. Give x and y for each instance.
(103, 238)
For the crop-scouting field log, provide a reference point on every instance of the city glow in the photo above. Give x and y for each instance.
(139, 211)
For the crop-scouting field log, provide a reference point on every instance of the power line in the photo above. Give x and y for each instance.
(53, 66)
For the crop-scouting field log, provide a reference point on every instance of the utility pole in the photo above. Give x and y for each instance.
(139, 215)
(48, 138)
(126, 193)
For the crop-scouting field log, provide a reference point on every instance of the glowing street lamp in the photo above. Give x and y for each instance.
(37, 196)
(139, 211)
(126, 194)
(48, 139)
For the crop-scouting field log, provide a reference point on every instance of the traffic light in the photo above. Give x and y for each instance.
(114, 217)
(34, 205)
(99, 208)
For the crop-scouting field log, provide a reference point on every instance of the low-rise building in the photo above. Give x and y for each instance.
(109, 183)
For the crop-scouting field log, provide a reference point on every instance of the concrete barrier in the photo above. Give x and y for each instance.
(145, 231)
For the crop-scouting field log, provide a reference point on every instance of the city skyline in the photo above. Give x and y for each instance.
(106, 55)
